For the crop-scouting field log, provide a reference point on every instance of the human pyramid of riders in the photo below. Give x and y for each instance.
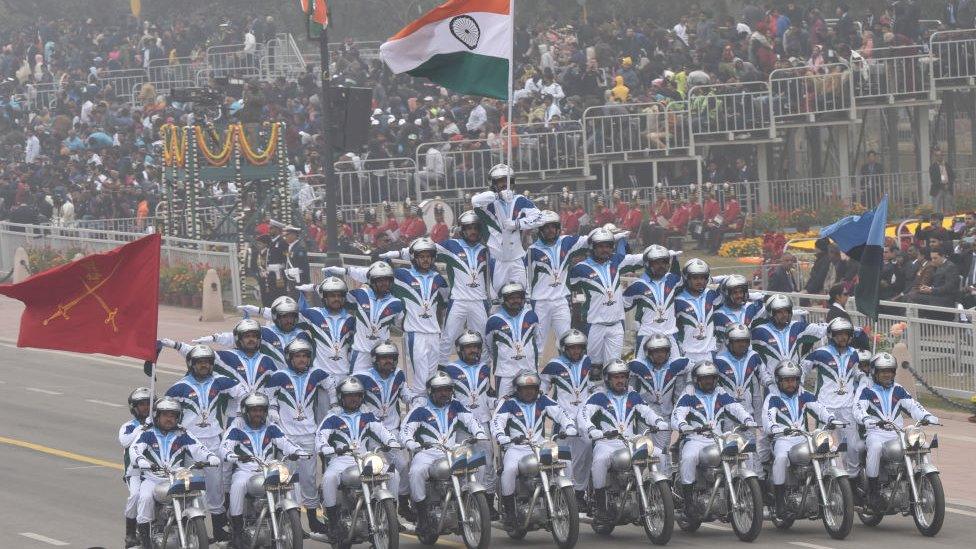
(722, 367)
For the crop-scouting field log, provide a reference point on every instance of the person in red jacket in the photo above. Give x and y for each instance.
(700, 227)
(678, 224)
(663, 208)
(633, 218)
(570, 216)
(603, 214)
(413, 226)
(729, 221)
(621, 206)
(391, 225)
(711, 207)
(370, 226)
(440, 232)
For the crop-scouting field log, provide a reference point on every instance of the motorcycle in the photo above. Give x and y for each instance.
(725, 489)
(541, 476)
(816, 486)
(909, 482)
(272, 518)
(180, 511)
(367, 508)
(637, 493)
(457, 502)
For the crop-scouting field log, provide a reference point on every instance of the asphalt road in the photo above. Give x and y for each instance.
(61, 478)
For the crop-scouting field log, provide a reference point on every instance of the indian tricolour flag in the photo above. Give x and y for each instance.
(464, 45)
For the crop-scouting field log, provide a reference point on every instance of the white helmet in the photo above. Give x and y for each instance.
(732, 282)
(167, 404)
(704, 368)
(200, 352)
(350, 386)
(655, 342)
(136, 396)
(385, 348)
(549, 217)
(332, 284)
(863, 355)
(695, 266)
(284, 305)
(469, 337)
(420, 245)
(379, 269)
(779, 301)
(438, 380)
(254, 400)
(298, 345)
(570, 338)
(738, 331)
(501, 171)
(840, 324)
(526, 378)
(787, 368)
(511, 288)
(883, 361)
(600, 236)
(655, 252)
(616, 366)
(468, 218)
(246, 326)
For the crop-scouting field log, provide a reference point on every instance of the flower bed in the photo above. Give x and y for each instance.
(760, 245)
(44, 258)
(182, 284)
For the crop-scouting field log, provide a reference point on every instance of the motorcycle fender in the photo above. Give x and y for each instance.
(836, 472)
(288, 504)
(744, 472)
(925, 468)
(382, 494)
(473, 488)
(193, 512)
(562, 482)
(655, 477)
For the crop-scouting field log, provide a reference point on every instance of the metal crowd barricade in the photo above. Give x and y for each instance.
(549, 150)
(456, 165)
(893, 74)
(281, 58)
(369, 183)
(167, 74)
(635, 129)
(954, 54)
(725, 111)
(809, 193)
(230, 60)
(801, 95)
(123, 82)
(42, 95)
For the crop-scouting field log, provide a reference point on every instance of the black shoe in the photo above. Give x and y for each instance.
(492, 511)
(336, 530)
(131, 539)
(143, 532)
(219, 523)
(405, 510)
(508, 512)
(779, 496)
(314, 524)
(875, 502)
(422, 515)
(688, 494)
(237, 532)
(581, 504)
(600, 511)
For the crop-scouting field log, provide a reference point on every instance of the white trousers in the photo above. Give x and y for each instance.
(216, 479)
(238, 490)
(581, 452)
(360, 361)
(147, 504)
(690, 451)
(639, 347)
(605, 343)
(852, 458)
(510, 463)
(462, 315)
(400, 460)
(602, 453)
(695, 358)
(504, 272)
(307, 492)
(132, 501)
(487, 475)
(330, 478)
(419, 472)
(781, 456)
(423, 355)
(554, 316)
(875, 441)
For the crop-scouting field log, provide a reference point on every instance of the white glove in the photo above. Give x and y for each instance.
(510, 225)
(675, 253)
(204, 339)
(394, 254)
(305, 287)
(294, 273)
(213, 461)
(334, 271)
(249, 309)
(507, 195)
(168, 343)
(621, 235)
(571, 431)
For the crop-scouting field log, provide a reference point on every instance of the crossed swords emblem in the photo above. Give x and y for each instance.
(90, 290)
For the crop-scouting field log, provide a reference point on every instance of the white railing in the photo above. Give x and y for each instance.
(369, 183)
(281, 58)
(893, 74)
(123, 82)
(542, 149)
(457, 165)
(802, 95)
(43, 95)
(726, 111)
(166, 74)
(231, 60)
(639, 129)
(955, 54)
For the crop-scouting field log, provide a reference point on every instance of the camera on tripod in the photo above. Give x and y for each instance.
(200, 97)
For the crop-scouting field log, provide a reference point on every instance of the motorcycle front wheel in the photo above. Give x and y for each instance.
(929, 511)
(747, 518)
(196, 534)
(658, 518)
(564, 517)
(386, 531)
(476, 531)
(838, 515)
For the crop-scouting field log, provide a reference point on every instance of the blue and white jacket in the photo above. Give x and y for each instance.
(512, 341)
(208, 405)
(741, 377)
(266, 442)
(384, 395)
(441, 424)
(653, 303)
(177, 448)
(878, 403)
(341, 429)
(608, 411)
(273, 340)
(547, 266)
(506, 243)
(697, 409)
(297, 399)
(568, 381)
(129, 432)
(251, 371)
(791, 342)
(660, 385)
(423, 295)
(600, 285)
(332, 335)
(696, 320)
(782, 412)
(837, 372)
(374, 315)
(471, 383)
(514, 418)
(749, 315)
(467, 268)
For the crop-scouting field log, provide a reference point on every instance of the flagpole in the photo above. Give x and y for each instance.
(511, 80)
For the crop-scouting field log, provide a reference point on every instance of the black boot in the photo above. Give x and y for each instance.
(508, 511)
(143, 531)
(581, 504)
(336, 531)
(131, 540)
(688, 493)
(779, 495)
(600, 512)
(219, 523)
(405, 510)
(492, 511)
(421, 513)
(237, 532)
(874, 495)
(314, 524)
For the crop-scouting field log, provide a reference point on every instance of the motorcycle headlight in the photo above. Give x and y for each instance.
(373, 464)
(734, 440)
(185, 477)
(822, 441)
(462, 453)
(915, 437)
(643, 447)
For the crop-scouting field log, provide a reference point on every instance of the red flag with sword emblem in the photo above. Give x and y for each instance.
(104, 303)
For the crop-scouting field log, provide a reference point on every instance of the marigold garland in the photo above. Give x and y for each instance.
(174, 145)
(221, 158)
(258, 158)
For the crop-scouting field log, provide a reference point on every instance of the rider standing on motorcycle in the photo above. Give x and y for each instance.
(739, 373)
(472, 377)
(703, 407)
(567, 379)
(338, 432)
(660, 379)
(254, 438)
(437, 420)
(882, 403)
(511, 337)
(836, 367)
(653, 295)
(695, 307)
(506, 215)
(598, 279)
(375, 309)
(466, 263)
(606, 416)
(128, 434)
(331, 327)
(786, 408)
(164, 444)
(297, 394)
(735, 309)
(383, 385)
(275, 336)
(518, 419)
(206, 399)
(781, 337)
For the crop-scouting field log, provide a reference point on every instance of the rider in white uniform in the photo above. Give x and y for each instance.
(275, 335)
(695, 308)
(511, 337)
(129, 432)
(652, 298)
(331, 327)
(660, 378)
